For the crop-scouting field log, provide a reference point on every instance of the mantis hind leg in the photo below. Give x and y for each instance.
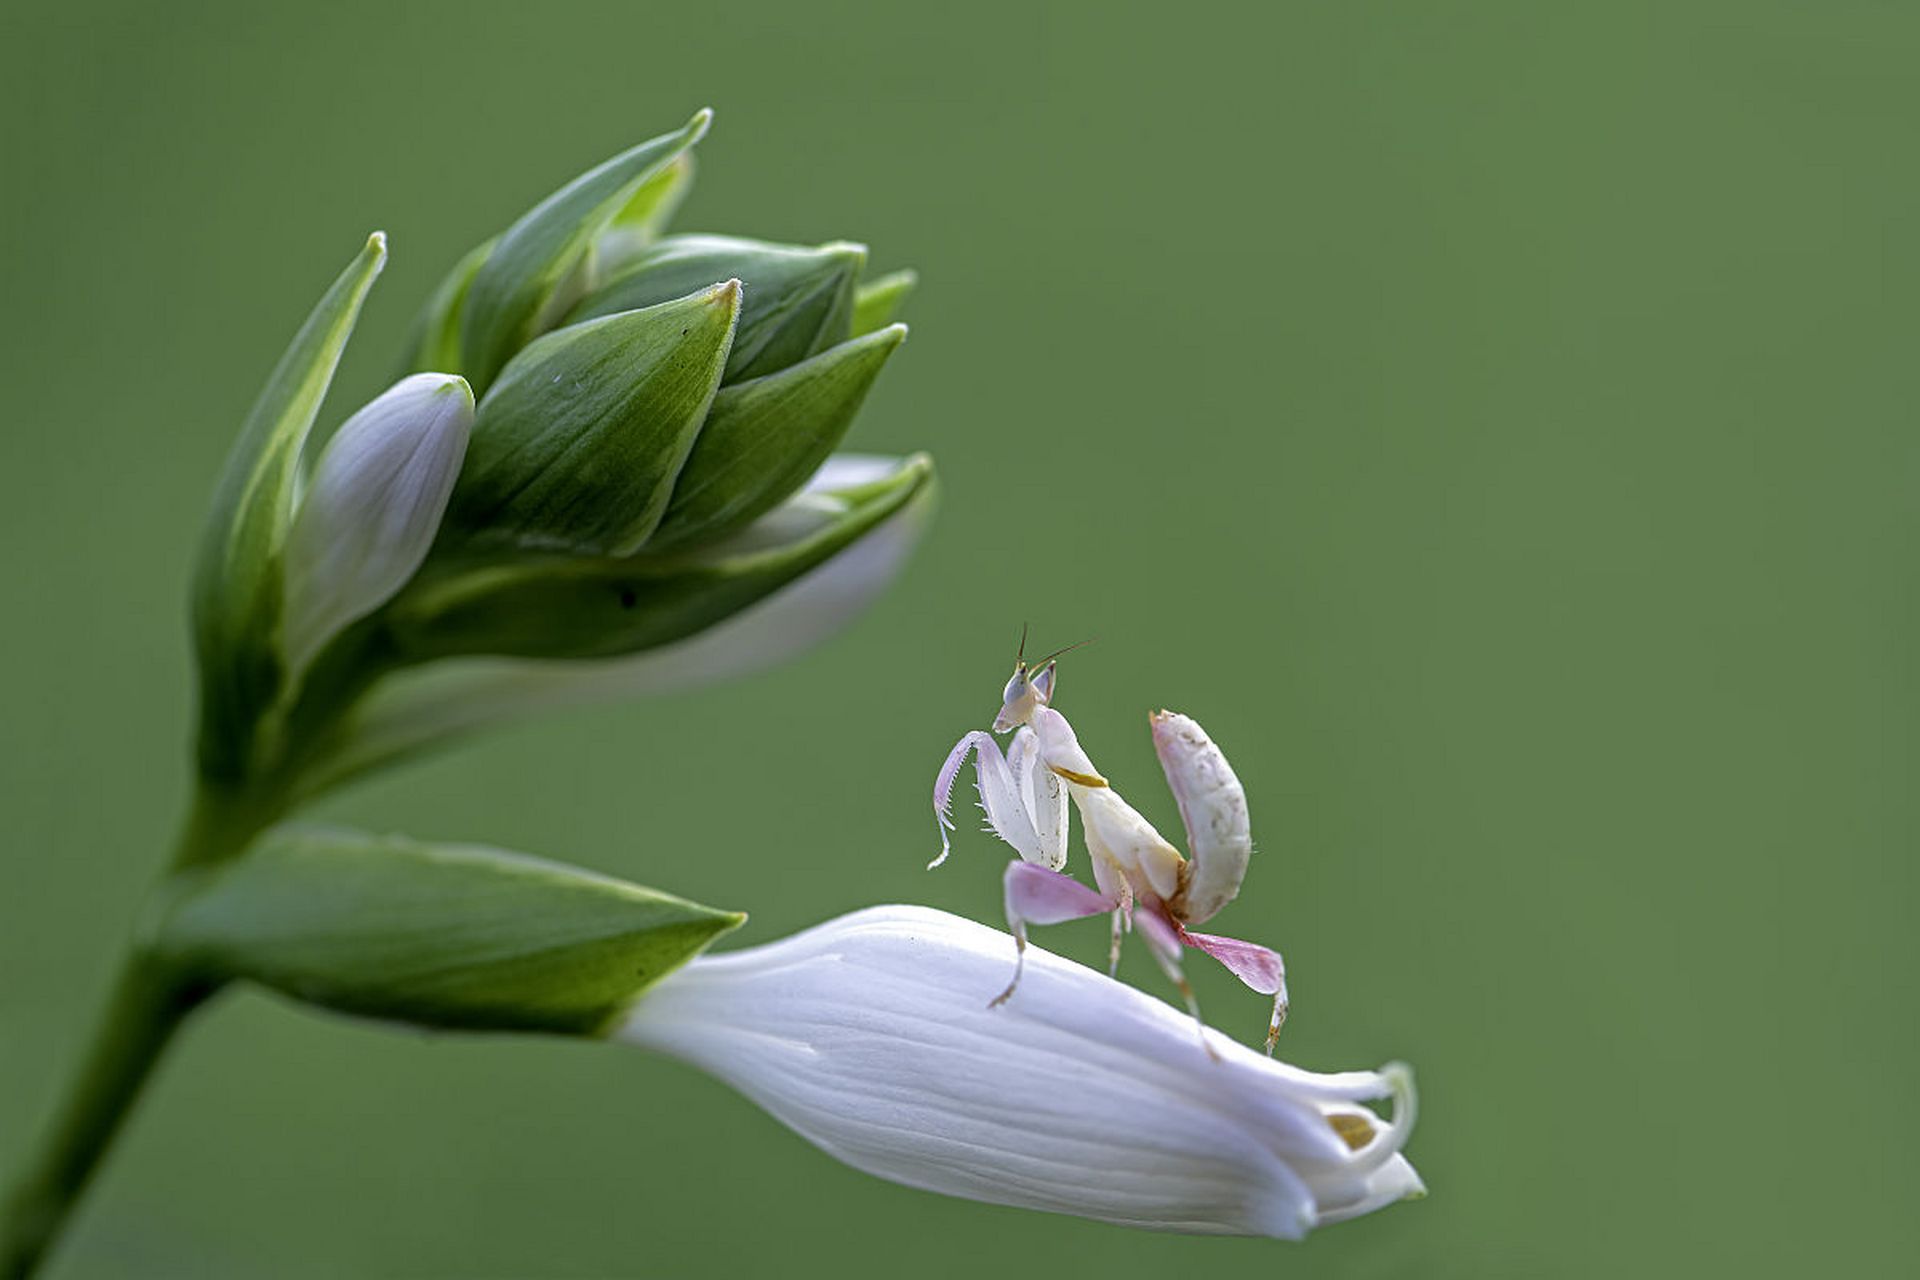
(1163, 940)
(1259, 967)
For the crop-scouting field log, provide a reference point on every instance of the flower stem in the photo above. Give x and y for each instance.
(145, 1011)
(149, 1003)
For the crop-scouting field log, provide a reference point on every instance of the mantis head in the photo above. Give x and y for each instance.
(1030, 687)
(1028, 691)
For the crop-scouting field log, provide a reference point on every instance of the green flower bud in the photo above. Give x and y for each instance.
(644, 218)
(606, 606)
(764, 437)
(446, 936)
(798, 301)
(651, 462)
(876, 303)
(540, 265)
(577, 445)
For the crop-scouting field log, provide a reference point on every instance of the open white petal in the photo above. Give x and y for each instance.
(871, 1036)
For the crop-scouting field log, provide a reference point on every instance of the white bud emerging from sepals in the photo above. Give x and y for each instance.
(871, 1037)
(372, 508)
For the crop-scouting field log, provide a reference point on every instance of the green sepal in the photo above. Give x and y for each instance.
(878, 301)
(237, 576)
(763, 438)
(446, 936)
(596, 608)
(645, 217)
(522, 288)
(433, 344)
(577, 445)
(799, 301)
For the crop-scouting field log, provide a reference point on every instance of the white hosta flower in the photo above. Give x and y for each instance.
(871, 1037)
(372, 508)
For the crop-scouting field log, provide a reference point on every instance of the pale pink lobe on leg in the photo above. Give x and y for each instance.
(1259, 967)
(1255, 965)
(1038, 895)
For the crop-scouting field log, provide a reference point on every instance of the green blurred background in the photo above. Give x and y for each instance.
(1492, 421)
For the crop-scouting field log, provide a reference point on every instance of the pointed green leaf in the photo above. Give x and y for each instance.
(587, 608)
(433, 345)
(763, 438)
(876, 303)
(520, 290)
(799, 301)
(447, 936)
(645, 218)
(236, 590)
(577, 445)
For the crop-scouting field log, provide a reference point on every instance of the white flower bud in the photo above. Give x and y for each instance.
(372, 507)
(871, 1037)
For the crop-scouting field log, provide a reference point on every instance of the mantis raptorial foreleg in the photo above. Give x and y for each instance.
(1002, 795)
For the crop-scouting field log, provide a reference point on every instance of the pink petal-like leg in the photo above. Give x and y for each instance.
(1036, 895)
(1255, 965)
(1163, 940)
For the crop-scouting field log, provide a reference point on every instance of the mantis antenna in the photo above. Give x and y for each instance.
(1041, 662)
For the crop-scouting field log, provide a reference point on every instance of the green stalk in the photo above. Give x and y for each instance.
(148, 1005)
(150, 999)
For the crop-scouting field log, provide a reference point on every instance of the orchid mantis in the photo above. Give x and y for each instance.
(1142, 880)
